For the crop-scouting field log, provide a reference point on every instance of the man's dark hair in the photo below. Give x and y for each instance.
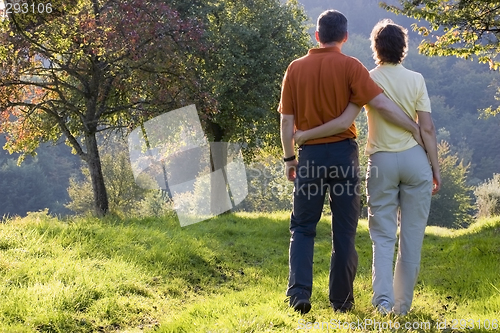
(331, 26)
(389, 42)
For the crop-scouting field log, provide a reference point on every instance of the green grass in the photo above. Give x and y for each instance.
(228, 274)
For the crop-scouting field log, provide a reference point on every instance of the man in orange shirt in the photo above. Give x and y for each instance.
(321, 86)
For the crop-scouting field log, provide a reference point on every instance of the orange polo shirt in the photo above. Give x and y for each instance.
(318, 87)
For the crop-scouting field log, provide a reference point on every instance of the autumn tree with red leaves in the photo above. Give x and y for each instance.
(94, 66)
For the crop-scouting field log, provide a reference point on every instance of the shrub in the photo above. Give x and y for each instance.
(155, 203)
(488, 197)
(268, 188)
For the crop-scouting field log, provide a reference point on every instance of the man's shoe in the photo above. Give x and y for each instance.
(300, 302)
(384, 308)
(342, 308)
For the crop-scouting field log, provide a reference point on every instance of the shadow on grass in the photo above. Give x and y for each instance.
(225, 252)
(230, 252)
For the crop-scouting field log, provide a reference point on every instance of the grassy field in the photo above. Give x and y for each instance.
(228, 274)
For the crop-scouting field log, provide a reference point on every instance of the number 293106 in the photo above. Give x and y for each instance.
(25, 8)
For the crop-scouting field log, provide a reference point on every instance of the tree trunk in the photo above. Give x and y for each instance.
(218, 160)
(94, 163)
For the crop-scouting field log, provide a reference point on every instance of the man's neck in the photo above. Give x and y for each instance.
(337, 44)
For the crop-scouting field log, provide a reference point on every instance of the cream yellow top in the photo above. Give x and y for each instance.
(407, 89)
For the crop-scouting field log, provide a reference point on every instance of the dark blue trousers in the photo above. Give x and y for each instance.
(322, 168)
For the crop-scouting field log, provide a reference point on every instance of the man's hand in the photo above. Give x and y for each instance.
(299, 137)
(291, 170)
(436, 180)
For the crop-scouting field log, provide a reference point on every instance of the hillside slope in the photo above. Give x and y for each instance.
(228, 274)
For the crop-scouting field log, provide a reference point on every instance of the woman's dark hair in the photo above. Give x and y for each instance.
(331, 26)
(389, 42)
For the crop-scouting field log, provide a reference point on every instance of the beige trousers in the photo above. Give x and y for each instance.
(399, 187)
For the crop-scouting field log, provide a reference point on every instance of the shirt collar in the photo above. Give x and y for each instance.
(325, 50)
(390, 65)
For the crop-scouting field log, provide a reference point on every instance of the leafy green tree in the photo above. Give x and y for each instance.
(251, 44)
(90, 67)
(253, 41)
(468, 29)
(452, 206)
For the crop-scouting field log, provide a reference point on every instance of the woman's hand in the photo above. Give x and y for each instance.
(299, 137)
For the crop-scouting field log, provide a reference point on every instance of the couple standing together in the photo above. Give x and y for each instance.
(322, 94)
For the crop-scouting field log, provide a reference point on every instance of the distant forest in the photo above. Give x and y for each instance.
(39, 182)
(458, 88)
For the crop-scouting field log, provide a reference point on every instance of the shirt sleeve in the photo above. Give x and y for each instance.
(423, 100)
(286, 101)
(363, 88)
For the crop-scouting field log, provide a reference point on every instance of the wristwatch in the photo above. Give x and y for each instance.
(288, 159)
